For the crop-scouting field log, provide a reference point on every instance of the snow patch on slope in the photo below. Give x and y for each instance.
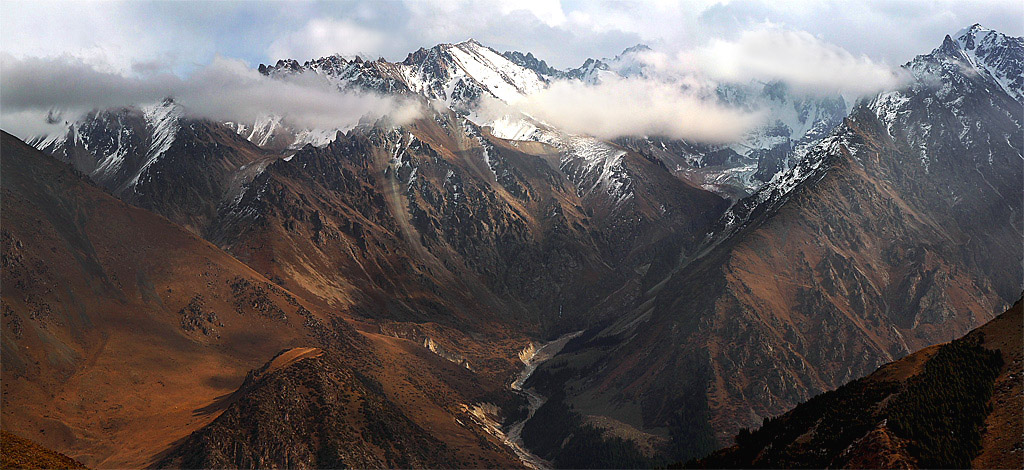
(595, 166)
(509, 128)
(496, 74)
(163, 121)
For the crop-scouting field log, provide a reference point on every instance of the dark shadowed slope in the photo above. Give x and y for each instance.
(311, 412)
(439, 221)
(955, 405)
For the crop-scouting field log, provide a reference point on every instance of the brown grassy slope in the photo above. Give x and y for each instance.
(123, 333)
(16, 452)
(1002, 445)
(117, 324)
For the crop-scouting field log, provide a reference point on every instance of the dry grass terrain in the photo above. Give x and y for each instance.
(16, 452)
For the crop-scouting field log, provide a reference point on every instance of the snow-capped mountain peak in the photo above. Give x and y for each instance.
(457, 74)
(970, 70)
(965, 37)
(471, 63)
(992, 53)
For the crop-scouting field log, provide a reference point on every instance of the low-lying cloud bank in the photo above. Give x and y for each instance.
(675, 94)
(807, 64)
(225, 90)
(618, 107)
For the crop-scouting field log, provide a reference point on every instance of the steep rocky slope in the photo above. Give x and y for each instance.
(880, 242)
(440, 221)
(955, 405)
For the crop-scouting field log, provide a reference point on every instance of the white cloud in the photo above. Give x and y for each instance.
(548, 11)
(224, 90)
(111, 36)
(28, 123)
(322, 37)
(230, 90)
(674, 95)
(70, 82)
(150, 39)
(637, 106)
(807, 64)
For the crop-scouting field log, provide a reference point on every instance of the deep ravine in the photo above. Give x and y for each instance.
(484, 414)
(513, 434)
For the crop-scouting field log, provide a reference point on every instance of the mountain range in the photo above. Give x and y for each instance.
(181, 292)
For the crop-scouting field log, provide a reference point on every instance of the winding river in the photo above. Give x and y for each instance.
(514, 433)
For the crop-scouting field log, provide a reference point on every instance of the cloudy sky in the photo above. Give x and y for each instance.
(147, 36)
(78, 56)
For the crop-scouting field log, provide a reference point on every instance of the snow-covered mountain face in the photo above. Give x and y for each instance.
(996, 54)
(792, 125)
(456, 75)
(115, 147)
(630, 63)
(158, 158)
(963, 77)
(459, 76)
